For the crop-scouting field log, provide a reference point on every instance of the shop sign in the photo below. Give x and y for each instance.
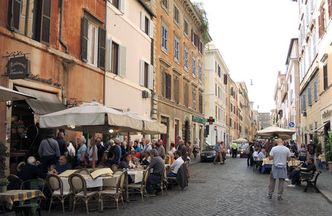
(18, 67)
(199, 119)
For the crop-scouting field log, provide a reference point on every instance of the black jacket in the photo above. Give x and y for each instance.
(31, 172)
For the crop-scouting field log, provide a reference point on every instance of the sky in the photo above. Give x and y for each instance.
(253, 37)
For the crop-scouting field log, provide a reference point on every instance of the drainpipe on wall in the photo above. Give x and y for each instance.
(61, 3)
(104, 85)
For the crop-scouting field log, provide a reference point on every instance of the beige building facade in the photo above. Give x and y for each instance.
(215, 85)
(129, 80)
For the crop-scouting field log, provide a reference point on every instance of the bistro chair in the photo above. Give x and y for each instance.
(19, 166)
(33, 204)
(78, 187)
(139, 187)
(56, 186)
(14, 182)
(163, 182)
(115, 193)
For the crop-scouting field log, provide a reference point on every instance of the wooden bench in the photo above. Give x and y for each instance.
(311, 180)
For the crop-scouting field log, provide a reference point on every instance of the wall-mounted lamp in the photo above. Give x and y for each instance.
(9, 103)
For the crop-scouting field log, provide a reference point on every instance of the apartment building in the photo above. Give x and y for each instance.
(54, 51)
(215, 85)
(179, 80)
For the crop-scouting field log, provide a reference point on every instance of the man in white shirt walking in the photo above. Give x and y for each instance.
(280, 155)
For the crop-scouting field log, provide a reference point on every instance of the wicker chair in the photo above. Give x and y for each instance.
(14, 182)
(19, 166)
(139, 187)
(56, 186)
(78, 187)
(33, 204)
(116, 193)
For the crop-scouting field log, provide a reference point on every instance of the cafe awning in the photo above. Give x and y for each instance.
(7, 94)
(45, 102)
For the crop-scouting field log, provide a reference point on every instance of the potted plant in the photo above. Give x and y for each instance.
(3, 180)
(328, 151)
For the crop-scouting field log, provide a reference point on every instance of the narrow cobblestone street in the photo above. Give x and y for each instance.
(231, 189)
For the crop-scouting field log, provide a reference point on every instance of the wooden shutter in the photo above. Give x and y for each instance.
(163, 84)
(142, 21)
(46, 21)
(151, 29)
(141, 72)
(13, 16)
(122, 5)
(150, 78)
(168, 86)
(101, 47)
(316, 91)
(108, 63)
(122, 61)
(84, 39)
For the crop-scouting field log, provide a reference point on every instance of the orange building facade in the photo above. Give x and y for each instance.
(53, 50)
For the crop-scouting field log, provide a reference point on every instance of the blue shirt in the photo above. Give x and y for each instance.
(82, 149)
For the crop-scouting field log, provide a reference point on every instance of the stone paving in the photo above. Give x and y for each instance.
(230, 189)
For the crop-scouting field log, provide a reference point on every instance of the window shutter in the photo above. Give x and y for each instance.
(84, 39)
(150, 78)
(315, 91)
(46, 21)
(151, 29)
(101, 47)
(109, 54)
(122, 6)
(141, 72)
(142, 21)
(13, 16)
(122, 61)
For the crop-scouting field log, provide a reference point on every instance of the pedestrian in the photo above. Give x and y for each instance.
(48, 150)
(250, 150)
(280, 155)
(218, 156)
(61, 142)
(234, 150)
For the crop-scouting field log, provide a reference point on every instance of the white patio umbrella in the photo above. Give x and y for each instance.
(7, 94)
(92, 117)
(240, 140)
(149, 126)
(276, 131)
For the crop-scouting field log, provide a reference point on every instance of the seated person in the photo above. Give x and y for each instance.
(134, 157)
(146, 159)
(126, 162)
(33, 170)
(156, 169)
(259, 154)
(176, 164)
(62, 164)
(304, 169)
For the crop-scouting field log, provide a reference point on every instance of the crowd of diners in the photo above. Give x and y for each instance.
(56, 155)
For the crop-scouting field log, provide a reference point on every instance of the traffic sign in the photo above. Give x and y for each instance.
(291, 124)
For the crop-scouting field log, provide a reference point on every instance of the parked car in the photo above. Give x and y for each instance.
(244, 150)
(208, 153)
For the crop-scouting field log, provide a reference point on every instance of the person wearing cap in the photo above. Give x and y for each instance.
(156, 169)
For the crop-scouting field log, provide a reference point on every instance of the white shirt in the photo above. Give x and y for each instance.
(176, 165)
(71, 150)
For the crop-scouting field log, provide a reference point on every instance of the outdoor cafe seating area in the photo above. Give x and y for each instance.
(92, 189)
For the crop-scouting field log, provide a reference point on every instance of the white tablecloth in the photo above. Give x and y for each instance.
(136, 175)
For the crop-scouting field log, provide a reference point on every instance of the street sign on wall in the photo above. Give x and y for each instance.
(291, 124)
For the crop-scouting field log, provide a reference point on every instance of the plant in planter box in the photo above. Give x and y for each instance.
(3, 154)
(328, 148)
